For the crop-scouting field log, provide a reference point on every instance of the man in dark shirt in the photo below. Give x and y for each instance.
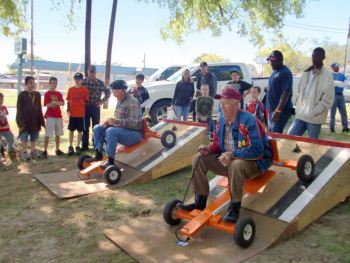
(207, 77)
(279, 95)
(242, 86)
(95, 87)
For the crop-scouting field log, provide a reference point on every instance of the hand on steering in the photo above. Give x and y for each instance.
(203, 150)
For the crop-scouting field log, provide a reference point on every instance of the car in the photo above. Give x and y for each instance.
(165, 73)
(161, 92)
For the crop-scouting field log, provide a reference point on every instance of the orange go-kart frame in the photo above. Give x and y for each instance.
(211, 216)
(96, 166)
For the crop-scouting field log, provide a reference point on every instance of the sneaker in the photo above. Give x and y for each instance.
(70, 151)
(85, 148)
(78, 150)
(346, 130)
(332, 130)
(25, 156)
(35, 154)
(44, 154)
(104, 165)
(59, 152)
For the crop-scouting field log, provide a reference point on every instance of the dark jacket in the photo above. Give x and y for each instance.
(184, 92)
(209, 79)
(29, 117)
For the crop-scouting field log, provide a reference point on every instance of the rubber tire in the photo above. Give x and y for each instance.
(168, 211)
(300, 168)
(81, 161)
(163, 139)
(107, 172)
(240, 226)
(155, 108)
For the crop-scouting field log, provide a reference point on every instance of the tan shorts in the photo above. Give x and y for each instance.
(54, 126)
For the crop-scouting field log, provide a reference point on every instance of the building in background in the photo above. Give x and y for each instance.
(64, 72)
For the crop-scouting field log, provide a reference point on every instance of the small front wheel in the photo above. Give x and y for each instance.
(169, 213)
(244, 232)
(306, 168)
(168, 139)
(112, 174)
(81, 160)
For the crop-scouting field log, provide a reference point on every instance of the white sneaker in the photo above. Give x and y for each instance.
(25, 156)
(35, 154)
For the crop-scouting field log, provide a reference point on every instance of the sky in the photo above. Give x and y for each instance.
(137, 32)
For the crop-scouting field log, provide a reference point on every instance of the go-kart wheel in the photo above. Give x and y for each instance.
(169, 213)
(168, 139)
(306, 168)
(112, 174)
(244, 232)
(83, 177)
(81, 160)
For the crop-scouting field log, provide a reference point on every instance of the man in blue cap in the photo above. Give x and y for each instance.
(339, 101)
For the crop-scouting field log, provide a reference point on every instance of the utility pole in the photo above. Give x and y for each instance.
(20, 50)
(144, 60)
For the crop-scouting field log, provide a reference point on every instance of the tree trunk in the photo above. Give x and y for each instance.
(110, 46)
(88, 36)
(32, 39)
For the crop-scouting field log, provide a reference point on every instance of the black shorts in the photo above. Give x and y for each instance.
(76, 123)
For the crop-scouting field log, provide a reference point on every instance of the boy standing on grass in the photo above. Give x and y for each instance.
(204, 106)
(54, 125)
(77, 97)
(29, 118)
(140, 92)
(254, 106)
(5, 129)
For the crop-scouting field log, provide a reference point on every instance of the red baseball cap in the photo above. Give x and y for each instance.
(229, 93)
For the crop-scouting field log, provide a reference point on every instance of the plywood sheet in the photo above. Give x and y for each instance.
(151, 240)
(68, 184)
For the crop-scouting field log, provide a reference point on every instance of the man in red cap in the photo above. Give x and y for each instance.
(240, 150)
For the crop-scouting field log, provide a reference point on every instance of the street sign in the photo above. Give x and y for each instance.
(20, 46)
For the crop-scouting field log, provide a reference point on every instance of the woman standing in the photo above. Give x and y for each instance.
(183, 95)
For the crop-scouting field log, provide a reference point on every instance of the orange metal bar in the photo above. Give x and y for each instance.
(92, 167)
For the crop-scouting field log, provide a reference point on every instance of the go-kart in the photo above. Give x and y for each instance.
(112, 174)
(243, 230)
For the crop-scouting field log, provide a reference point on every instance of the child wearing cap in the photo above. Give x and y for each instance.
(254, 106)
(54, 125)
(5, 129)
(204, 106)
(140, 92)
(77, 97)
(29, 118)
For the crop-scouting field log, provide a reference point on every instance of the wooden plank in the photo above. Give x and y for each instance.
(142, 237)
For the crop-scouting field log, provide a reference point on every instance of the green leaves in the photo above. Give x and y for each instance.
(247, 18)
(12, 17)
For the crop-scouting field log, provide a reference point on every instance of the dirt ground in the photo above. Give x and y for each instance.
(35, 226)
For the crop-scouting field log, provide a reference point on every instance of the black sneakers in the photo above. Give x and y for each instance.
(78, 150)
(70, 151)
(59, 152)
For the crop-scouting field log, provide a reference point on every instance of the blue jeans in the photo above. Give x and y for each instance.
(339, 103)
(8, 135)
(182, 111)
(92, 112)
(281, 123)
(23, 136)
(114, 135)
(298, 128)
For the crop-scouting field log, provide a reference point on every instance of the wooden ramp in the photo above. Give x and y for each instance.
(148, 162)
(281, 208)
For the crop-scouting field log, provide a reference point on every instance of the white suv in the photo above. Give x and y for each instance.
(161, 92)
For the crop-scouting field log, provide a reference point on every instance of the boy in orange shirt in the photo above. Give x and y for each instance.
(77, 97)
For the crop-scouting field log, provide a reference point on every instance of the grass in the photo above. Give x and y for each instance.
(10, 97)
